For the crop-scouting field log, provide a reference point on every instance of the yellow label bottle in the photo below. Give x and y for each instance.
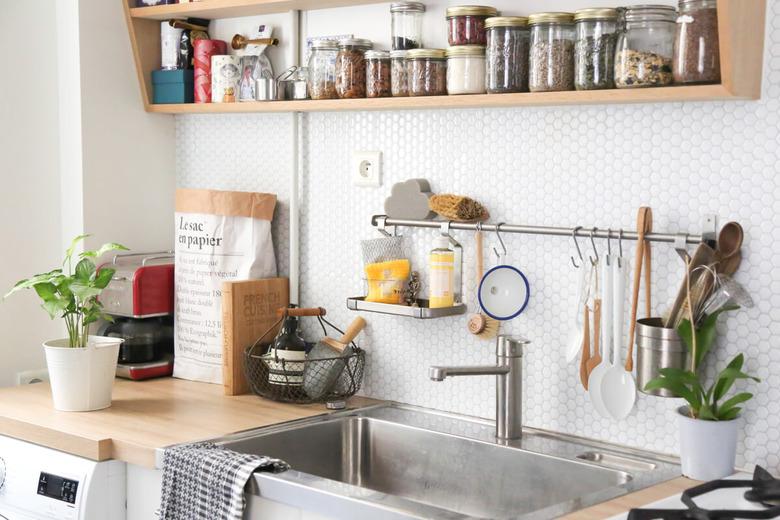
(441, 265)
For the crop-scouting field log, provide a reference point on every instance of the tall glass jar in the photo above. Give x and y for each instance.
(426, 72)
(406, 25)
(696, 45)
(594, 48)
(466, 69)
(378, 74)
(551, 58)
(398, 82)
(466, 24)
(351, 67)
(645, 46)
(507, 54)
(322, 69)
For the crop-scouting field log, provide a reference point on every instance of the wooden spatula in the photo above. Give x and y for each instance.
(644, 221)
(595, 359)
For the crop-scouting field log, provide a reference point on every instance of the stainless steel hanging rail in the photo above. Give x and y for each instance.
(381, 221)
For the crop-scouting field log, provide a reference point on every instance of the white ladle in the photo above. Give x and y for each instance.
(574, 341)
(618, 388)
(595, 388)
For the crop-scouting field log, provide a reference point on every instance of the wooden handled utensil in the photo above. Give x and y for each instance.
(301, 312)
(327, 360)
(643, 220)
(595, 359)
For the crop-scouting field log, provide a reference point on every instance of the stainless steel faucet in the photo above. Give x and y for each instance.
(509, 384)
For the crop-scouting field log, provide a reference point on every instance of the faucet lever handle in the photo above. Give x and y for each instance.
(510, 346)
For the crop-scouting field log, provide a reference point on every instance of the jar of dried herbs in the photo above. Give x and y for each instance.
(399, 86)
(594, 48)
(426, 72)
(551, 58)
(645, 46)
(351, 67)
(696, 45)
(322, 69)
(378, 74)
(507, 54)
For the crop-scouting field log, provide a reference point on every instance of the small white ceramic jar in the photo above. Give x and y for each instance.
(466, 69)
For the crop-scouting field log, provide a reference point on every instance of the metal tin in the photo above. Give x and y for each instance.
(292, 84)
(658, 347)
(265, 89)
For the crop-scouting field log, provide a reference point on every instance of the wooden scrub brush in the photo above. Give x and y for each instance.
(458, 208)
(481, 325)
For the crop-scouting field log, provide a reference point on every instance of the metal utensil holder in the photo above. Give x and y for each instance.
(658, 347)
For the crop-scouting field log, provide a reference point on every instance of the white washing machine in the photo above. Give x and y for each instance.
(38, 483)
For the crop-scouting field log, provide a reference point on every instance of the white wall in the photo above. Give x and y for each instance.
(29, 178)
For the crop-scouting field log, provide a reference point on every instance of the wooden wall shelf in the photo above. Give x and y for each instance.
(741, 25)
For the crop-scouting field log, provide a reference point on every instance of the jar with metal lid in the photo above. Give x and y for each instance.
(351, 67)
(645, 46)
(426, 72)
(507, 54)
(551, 58)
(466, 69)
(378, 74)
(406, 25)
(322, 69)
(696, 45)
(594, 48)
(466, 24)
(398, 83)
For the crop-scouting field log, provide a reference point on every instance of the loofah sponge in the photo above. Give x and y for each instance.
(456, 207)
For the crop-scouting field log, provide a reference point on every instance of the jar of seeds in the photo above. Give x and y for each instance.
(398, 83)
(696, 46)
(426, 72)
(406, 25)
(507, 54)
(551, 59)
(594, 48)
(322, 69)
(351, 67)
(645, 46)
(466, 24)
(378, 74)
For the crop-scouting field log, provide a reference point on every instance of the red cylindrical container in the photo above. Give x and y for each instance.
(203, 50)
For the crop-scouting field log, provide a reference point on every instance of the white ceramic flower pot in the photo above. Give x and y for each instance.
(708, 449)
(82, 379)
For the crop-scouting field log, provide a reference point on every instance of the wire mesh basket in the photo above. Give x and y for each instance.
(303, 381)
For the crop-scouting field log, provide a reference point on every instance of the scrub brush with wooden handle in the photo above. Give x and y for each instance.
(458, 208)
(484, 327)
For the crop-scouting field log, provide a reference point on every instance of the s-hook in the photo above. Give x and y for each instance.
(609, 245)
(381, 222)
(620, 247)
(500, 241)
(577, 245)
(593, 245)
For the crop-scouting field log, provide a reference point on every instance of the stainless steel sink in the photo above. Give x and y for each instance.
(396, 461)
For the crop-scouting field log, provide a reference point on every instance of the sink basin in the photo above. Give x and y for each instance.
(408, 462)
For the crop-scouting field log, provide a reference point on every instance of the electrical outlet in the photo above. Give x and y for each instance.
(32, 376)
(367, 169)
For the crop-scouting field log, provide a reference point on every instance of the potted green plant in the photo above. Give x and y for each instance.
(81, 367)
(709, 423)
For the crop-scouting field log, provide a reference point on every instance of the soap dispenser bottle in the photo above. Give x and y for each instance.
(441, 271)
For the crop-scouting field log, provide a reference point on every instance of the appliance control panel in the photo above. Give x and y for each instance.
(57, 487)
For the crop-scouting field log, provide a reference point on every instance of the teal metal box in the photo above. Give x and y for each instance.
(172, 86)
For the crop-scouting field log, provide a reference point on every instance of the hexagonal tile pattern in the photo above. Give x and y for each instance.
(546, 166)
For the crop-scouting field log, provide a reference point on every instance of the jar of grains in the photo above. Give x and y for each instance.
(351, 67)
(398, 84)
(551, 58)
(507, 54)
(466, 24)
(466, 69)
(426, 72)
(594, 48)
(322, 69)
(645, 46)
(696, 46)
(406, 25)
(378, 74)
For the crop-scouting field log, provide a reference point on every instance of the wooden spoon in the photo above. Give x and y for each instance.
(729, 240)
(585, 348)
(641, 227)
(595, 359)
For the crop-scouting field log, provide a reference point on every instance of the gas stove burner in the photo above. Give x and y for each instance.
(764, 489)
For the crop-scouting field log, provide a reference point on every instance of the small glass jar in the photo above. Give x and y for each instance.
(551, 58)
(645, 46)
(466, 69)
(594, 48)
(466, 24)
(696, 45)
(507, 54)
(351, 67)
(398, 84)
(322, 69)
(426, 72)
(406, 25)
(378, 74)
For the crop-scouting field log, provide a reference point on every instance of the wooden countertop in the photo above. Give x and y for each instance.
(144, 416)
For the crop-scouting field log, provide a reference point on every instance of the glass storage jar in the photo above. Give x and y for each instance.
(645, 46)
(351, 67)
(594, 48)
(466, 24)
(322, 69)
(426, 72)
(466, 69)
(406, 25)
(696, 45)
(378, 74)
(551, 58)
(507, 54)
(398, 83)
